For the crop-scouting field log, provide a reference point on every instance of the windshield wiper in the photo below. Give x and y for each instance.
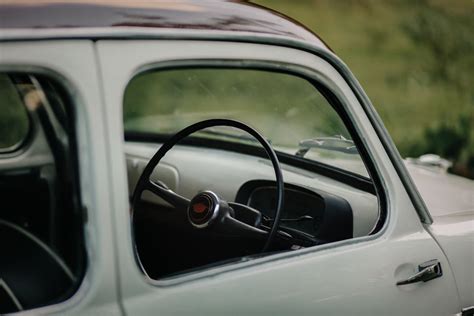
(243, 136)
(334, 143)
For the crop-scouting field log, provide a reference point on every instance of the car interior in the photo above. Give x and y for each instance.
(41, 227)
(230, 164)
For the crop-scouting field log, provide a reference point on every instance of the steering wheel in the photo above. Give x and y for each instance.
(206, 210)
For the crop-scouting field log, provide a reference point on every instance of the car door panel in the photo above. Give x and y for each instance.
(356, 276)
(334, 281)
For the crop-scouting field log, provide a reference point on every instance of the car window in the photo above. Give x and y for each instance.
(288, 110)
(14, 122)
(224, 164)
(42, 250)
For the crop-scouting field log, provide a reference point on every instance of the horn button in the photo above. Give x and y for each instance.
(203, 209)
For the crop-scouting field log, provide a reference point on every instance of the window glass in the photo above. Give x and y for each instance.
(14, 123)
(217, 174)
(287, 110)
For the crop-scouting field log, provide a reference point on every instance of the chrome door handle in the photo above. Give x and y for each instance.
(426, 271)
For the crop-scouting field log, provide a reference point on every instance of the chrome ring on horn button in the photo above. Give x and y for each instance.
(203, 209)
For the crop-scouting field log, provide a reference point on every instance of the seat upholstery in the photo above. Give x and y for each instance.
(31, 274)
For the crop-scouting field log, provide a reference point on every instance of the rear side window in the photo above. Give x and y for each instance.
(14, 122)
(42, 253)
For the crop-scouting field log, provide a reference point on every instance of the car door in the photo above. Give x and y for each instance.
(356, 276)
(72, 65)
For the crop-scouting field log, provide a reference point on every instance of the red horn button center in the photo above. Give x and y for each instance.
(199, 207)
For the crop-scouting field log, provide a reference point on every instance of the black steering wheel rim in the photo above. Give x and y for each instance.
(176, 138)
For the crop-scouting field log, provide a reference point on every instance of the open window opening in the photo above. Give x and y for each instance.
(42, 250)
(329, 194)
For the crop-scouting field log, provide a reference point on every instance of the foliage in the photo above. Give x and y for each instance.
(166, 101)
(415, 59)
(450, 43)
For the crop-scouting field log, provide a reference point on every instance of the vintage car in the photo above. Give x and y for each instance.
(209, 158)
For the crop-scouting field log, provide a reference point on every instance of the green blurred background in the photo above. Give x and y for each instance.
(415, 60)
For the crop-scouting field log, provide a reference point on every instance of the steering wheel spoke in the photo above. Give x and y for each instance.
(168, 195)
(232, 226)
(246, 214)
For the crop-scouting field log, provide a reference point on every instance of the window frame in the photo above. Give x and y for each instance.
(65, 91)
(314, 78)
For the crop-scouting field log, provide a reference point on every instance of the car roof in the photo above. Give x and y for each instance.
(207, 16)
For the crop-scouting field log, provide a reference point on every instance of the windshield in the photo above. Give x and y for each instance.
(287, 110)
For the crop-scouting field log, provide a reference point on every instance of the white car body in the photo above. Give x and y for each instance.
(356, 276)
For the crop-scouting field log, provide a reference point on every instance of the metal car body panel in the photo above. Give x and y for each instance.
(335, 278)
(444, 194)
(316, 47)
(455, 234)
(450, 199)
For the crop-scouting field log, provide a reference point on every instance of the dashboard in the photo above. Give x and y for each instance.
(326, 209)
(319, 214)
